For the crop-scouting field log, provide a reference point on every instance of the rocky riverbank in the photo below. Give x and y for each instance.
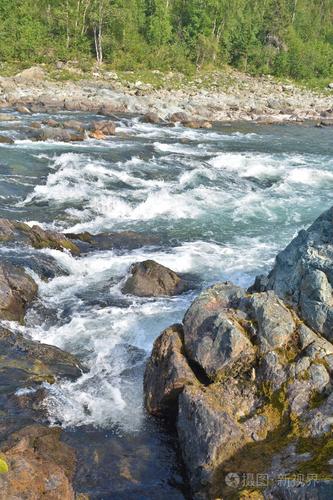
(34, 462)
(247, 379)
(225, 96)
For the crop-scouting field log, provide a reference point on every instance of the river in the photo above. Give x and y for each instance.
(221, 202)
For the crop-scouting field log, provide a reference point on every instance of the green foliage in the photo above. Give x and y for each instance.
(3, 466)
(281, 37)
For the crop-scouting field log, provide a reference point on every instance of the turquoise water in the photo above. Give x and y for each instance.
(222, 202)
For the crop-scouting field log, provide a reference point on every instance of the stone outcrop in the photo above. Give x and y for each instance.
(19, 232)
(303, 275)
(247, 377)
(150, 279)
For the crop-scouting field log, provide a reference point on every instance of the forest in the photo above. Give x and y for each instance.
(292, 38)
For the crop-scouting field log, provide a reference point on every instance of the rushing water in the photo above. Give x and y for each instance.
(222, 203)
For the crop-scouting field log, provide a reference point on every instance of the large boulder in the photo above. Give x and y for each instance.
(17, 291)
(259, 399)
(19, 232)
(36, 464)
(150, 279)
(303, 274)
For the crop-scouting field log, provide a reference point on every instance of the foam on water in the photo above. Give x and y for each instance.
(223, 204)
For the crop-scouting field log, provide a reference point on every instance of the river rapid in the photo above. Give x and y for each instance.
(221, 203)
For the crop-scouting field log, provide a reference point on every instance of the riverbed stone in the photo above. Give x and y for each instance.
(151, 279)
(24, 362)
(19, 232)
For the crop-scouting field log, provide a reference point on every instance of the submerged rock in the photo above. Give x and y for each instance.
(150, 279)
(36, 464)
(197, 124)
(19, 232)
(106, 127)
(17, 291)
(128, 240)
(24, 362)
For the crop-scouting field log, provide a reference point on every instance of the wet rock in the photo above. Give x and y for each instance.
(23, 109)
(128, 240)
(6, 140)
(38, 465)
(151, 118)
(107, 127)
(167, 372)
(18, 290)
(97, 134)
(57, 134)
(178, 117)
(35, 125)
(150, 279)
(51, 123)
(74, 125)
(303, 277)
(24, 362)
(326, 123)
(197, 124)
(19, 232)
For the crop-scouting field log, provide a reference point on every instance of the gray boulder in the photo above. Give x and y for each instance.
(150, 279)
(303, 274)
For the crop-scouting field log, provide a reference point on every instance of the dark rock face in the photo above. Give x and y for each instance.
(18, 232)
(38, 465)
(259, 392)
(56, 134)
(303, 274)
(17, 291)
(167, 367)
(150, 279)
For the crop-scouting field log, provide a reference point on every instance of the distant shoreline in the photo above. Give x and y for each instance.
(245, 98)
